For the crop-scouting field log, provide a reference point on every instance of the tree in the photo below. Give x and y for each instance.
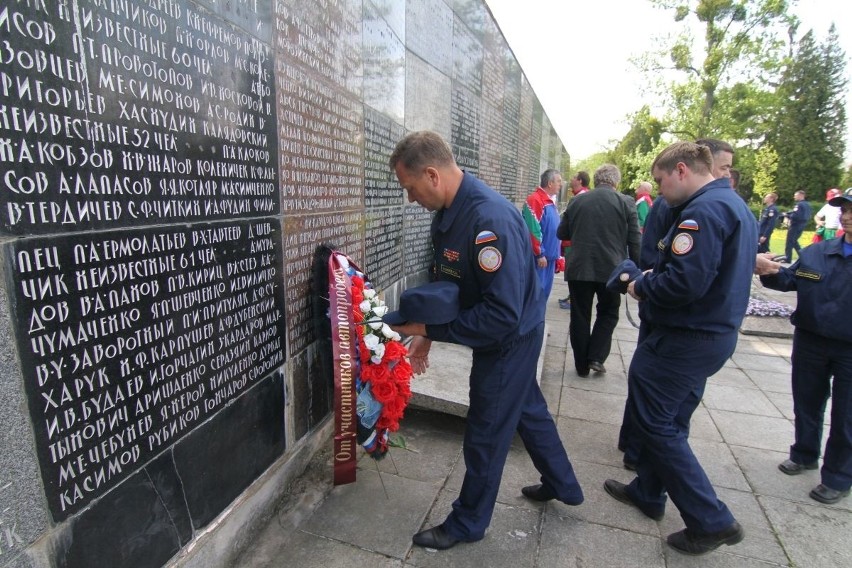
(642, 139)
(811, 121)
(764, 174)
(847, 178)
(740, 52)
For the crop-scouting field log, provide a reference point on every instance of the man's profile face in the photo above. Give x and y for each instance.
(669, 185)
(421, 187)
(722, 164)
(554, 185)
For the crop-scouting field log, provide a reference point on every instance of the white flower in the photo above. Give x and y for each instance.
(365, 307)
(387, 331)
(343, 261)
(377, 324)
(376, 360)
(380, 310)
(371, 341)
(379, 351)
(396, 337)
(369, 294)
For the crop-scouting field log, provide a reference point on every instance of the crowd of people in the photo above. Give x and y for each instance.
(688, 258)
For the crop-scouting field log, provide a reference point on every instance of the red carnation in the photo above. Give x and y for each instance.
(383, 391)
(395, 350)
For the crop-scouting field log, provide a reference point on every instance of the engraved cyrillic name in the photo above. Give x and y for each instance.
(131, 340)
(120, 113)
(302, 236)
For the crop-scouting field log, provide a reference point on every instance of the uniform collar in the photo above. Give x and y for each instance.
(835, 246)
(715, 185)
(449, 214)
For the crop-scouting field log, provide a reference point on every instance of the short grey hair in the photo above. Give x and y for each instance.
(607, 174)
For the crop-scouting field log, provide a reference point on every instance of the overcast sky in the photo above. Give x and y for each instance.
(576, 54)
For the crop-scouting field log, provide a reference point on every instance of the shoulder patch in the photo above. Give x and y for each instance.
(485, 237)
(490, 259)
(682, 243)
(688, 225)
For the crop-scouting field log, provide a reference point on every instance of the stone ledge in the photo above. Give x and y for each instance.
(767, 326)
(445, 386)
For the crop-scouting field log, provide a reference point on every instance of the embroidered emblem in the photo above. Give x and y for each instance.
(490, 259)
(689, 225)
(682, 243)
(809, 274)
(450, 271)
(485, 237)
(451, 255)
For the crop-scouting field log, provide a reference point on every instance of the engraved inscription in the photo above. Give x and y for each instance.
(130, 340)
(302, 236)
(119, 114)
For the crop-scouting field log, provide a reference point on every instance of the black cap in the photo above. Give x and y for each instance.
(840, 200)
(622, 275)
(433, 303)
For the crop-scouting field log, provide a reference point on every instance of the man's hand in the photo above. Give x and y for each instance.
(761, 240)
(542, 262)
(765, 266)
(418, 354)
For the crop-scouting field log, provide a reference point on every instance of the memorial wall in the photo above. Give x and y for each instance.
(168, 170)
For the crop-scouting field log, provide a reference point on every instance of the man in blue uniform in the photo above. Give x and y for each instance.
(657, 225)
(822, 348)
(694, 301)
(798, 218)
(768, 220)
(481, 243)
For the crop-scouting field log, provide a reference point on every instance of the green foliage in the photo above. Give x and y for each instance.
(592, 163)
(766, 164)
(723, 90)
(811, 119)
(635, 152)
(846, 182)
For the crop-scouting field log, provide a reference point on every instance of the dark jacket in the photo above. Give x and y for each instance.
(603, 228)
(822, 279)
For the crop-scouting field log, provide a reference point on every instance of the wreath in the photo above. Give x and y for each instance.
(362, 355)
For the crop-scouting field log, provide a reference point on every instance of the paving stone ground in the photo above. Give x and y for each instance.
(740, 432)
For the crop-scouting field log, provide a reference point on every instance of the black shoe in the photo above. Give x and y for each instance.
(827, 495)
(792, 468)
(542, 494)
(436, 538)
(597, 367)
(538, 493)
(689, 542)
(618, 491)
(631, 465)
(582, 372)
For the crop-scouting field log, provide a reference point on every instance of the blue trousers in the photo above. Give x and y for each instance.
(504, 398)
(545, 277)
(666, 379)
(815, 360)
(792, 242)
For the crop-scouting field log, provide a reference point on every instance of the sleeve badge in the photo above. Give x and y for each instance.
(485, 237)
(490, 259)
(682, 243)
(688, 225)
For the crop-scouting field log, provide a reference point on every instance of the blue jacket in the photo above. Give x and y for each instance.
(482, 244)
(800, 215)
(768, 221)
(822, 279)
(702, 275)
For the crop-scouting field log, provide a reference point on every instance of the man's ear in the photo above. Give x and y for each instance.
(434, 175)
